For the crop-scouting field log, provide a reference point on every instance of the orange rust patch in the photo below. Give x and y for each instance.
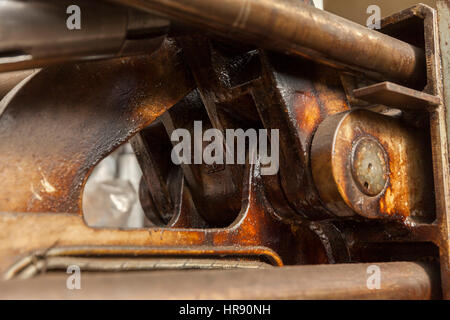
(387, 203)
(308, 115)
(50, 145)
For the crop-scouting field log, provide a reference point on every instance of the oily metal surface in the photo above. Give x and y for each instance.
(256, 231)
(402, 154)
(295, 96)
(291, 26)
(400, 280)
(67, 118)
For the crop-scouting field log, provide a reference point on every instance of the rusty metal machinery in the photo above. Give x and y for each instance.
(363, 173)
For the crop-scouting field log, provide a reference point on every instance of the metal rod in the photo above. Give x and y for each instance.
(399, 280)
(291, 26)
(36, 33)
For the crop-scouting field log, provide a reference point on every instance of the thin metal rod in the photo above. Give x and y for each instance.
(291, 26)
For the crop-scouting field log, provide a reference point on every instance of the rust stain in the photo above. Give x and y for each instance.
(409, 185)
(308, 113)
(50, 144)
(387, 202)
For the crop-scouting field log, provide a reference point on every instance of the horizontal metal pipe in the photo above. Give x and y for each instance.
(398, 280)
(291, 26)
(38, 33)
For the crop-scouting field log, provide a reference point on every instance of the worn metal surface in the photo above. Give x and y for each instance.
(403, 154)
(51, 138)
(34, 33)
(290, 26)
(423, 20)
(256, 231)
(246, 88)
(251, 224)
(444, 43)
(338, 166)
(39, 264)
(295, 96)
(442, 129)
(400, 280)
(368, 165)
(214, 195)
(8, 80)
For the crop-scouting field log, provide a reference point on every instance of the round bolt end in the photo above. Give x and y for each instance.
(369, 166)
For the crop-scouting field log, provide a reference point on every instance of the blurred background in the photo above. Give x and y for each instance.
(110, 197)
(356, 9)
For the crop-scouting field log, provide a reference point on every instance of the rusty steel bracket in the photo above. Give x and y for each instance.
(432, 100)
